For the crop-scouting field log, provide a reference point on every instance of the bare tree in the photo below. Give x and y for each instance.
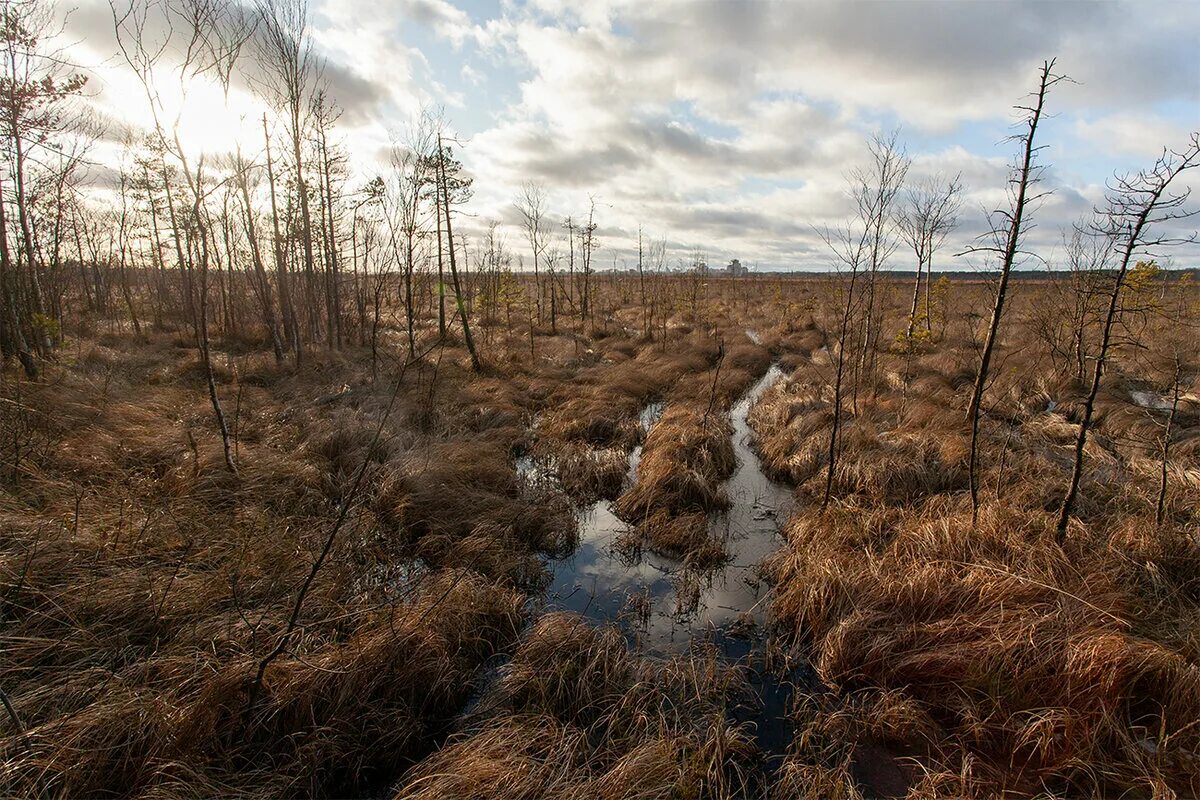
(289, 66)
(454, 187)
(875, 190)
(329, 161)
(587, 246)
(531, 205)
(36, 86)
(850, 246)
(1007, 230)
(1135, 205)
(1071, 305)
(286, 302)
(205, 38)
(412, 175)
(241, 177)
(929, 214)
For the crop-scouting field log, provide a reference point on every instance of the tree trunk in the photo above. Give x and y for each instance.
(13, 340)
(291, 324)
(458, 296)
(1009, 255)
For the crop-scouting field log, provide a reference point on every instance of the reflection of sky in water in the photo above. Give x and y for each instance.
(597, 581)
(1150, 400)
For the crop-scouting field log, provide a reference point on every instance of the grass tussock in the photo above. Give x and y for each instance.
(894, 449)
(686, 457)
(1037, 662)
(684, 537)
(577, 715)
(142, 582)
(327, 722)
(440, 496)
(597, 413)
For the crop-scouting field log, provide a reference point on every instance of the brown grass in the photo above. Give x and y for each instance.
(597, 413)
(687, 455)
(329, 722)
(577, 715)
(141, 583)
(1033, 659)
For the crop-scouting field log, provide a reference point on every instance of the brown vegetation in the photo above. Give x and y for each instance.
(577, 715)
(1003, 662)
(284, 505)
(686, 456)
(144, 583)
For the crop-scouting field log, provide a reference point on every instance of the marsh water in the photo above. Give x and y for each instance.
(663, 605)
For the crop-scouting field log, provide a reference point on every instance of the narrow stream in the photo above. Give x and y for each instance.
(663, 606)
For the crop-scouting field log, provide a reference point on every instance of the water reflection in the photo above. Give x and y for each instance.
(660, 604)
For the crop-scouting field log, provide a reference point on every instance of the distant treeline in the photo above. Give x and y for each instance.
(952, 274)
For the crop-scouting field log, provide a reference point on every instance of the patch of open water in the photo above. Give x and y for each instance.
(664, 607)
(674, 605)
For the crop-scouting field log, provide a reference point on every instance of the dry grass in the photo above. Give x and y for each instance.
(330, 721)
(597, 413)
(141, 583)
(685, 537)
(577, 715)
(687, 455)
(1032, 658)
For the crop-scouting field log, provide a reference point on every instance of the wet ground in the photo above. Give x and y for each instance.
(664, 607)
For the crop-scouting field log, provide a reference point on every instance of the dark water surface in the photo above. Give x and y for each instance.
(663, 605)
(666, 608)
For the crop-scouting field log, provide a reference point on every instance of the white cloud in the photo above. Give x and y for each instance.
(732, 125)
(1138, 134)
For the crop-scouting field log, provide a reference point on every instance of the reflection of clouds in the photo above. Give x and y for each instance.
(683, 605)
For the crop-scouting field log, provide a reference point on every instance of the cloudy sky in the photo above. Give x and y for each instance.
(730, 126)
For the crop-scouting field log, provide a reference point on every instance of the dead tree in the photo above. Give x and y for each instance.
(1135, 204)
(266, 299)
(875, 190)
(325, 115)
(210, 35)
(929, 215)
(412, 175)
(587, 245)
(1007, 235)
(850, 248)
(531, 205)
(286, 302)
(1069, 308)
(284, 50)
(36, 93)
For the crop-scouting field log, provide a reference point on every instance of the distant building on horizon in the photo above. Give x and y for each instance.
(736, 270)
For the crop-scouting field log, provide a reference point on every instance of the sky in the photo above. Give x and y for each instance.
(728, 127)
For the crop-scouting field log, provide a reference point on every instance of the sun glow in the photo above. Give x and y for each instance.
(207, 119)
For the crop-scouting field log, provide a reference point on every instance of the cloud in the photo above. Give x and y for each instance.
(732, 125)
(359, 97)
(447, 21)
(1139, 134)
